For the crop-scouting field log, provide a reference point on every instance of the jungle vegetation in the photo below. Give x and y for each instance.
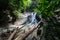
(45, 8)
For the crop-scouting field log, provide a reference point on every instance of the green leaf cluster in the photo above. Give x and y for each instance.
(46, 7)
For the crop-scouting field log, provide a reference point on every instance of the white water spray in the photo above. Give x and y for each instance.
(33, 18)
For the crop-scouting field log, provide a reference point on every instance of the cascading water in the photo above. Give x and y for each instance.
(31, 19)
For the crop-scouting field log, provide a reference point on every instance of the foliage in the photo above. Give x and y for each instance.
(18, 4)
(12, 8)
(46, 7)
(52, 29)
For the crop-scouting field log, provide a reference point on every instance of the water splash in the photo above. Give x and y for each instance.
(33, 18)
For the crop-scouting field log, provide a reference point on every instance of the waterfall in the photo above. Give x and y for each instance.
(33, 18)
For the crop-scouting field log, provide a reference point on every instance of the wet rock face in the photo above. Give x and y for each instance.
(38, 18)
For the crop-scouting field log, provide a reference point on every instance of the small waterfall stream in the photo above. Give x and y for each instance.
(32, 19)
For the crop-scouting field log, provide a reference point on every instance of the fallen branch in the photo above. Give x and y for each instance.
(26, 34)
(12, 35)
